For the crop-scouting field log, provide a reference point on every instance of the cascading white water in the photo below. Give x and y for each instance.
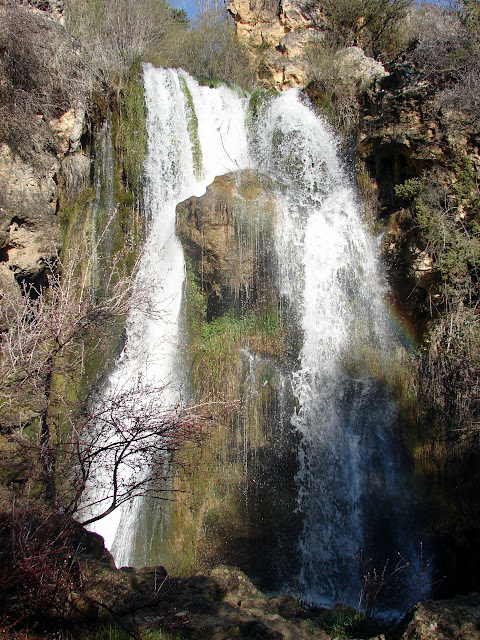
(350, 464)
(349, 479)
(194, 134)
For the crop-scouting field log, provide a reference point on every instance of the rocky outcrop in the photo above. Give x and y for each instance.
(220, 604)
(29, 229)
(278, 35)
(282, 37)
(453, 619)
(227, 233)
(36, 137)
(404, 134)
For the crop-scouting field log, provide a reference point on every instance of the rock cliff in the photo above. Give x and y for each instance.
(228, 235)
(282, 38)
(402, 135)
(35, 143)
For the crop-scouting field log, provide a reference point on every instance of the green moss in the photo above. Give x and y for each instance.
(192, 127)
(130, 132)
(259, 101)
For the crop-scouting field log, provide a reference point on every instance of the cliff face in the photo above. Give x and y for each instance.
(279, 33)
(282, 37)
(227, 233)
(238, 507)
(403, 135)
(37, 136)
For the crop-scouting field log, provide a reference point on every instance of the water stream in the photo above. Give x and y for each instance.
(351, 484)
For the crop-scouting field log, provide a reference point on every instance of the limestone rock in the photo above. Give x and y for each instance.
(280, 36)
(67, 130)
(221, 232)
(453, 619)
(358, 68)
(29, 229)
(277, 36)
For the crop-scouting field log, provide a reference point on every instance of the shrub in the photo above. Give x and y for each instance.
(38, 569)
(42, 75)
(330, 90)
(209, 50)
(118, 35)
(450, 374)
(446, 209)
(374, 25)
(448, 48)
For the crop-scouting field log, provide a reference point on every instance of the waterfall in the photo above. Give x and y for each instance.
(194, 134)
(351, 481)
(352, 492)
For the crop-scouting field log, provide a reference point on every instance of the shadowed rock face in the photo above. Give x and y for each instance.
(29, 229)
(241, 509)
(227, 233)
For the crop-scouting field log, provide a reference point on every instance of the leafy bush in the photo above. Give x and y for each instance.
(446, 209)
(329, 89)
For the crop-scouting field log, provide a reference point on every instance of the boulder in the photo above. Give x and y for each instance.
(221, 232)
(454, 619)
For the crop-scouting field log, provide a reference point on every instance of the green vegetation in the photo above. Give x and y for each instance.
(209, 49)
(374, 25)
(192, 127)
(344, 622)
(130, 133)
(118, 38)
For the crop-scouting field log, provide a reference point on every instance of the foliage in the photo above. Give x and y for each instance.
(374, 25)
(446, 208)
(345, 622)
(447, 49)
(450, 374)
(38, 570)
(117, 36)
(330, 91)
(125, 432)
(209, 49)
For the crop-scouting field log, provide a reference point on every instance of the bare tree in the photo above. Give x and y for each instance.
(129, 433)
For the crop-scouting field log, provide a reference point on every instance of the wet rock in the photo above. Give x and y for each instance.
(227, 233)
